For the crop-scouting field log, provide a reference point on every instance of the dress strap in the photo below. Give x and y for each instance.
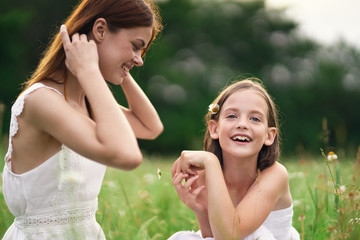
(17, 109)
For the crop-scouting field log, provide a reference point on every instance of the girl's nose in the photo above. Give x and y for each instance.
(242, 123)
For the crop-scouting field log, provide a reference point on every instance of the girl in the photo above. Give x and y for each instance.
(236, 187)
(67, 115)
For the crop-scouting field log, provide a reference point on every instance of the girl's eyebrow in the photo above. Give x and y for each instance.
(251, 112)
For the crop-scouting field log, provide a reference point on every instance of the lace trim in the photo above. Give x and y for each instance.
(17, 109)
(63, 217)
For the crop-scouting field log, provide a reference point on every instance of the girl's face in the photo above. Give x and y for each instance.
(242, 127)
(120, 51)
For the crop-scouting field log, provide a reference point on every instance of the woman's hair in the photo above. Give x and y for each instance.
(117, 13)
(268, 154)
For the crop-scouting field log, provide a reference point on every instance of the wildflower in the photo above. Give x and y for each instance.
(302, 217)
(159, 173)
(340, 189)
(214, 108)
(331, 156)
(354, 220)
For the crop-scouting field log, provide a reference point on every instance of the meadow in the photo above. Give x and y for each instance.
(137, 205)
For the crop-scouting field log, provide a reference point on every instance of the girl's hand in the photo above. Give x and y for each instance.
(81, 54)
(189, 192)
(192, 161)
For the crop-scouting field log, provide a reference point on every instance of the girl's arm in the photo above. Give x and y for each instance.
(227, 221)
(108, 139)
(193, 194)
(141, 114)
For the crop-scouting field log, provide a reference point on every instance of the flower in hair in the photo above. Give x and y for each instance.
(214, 108)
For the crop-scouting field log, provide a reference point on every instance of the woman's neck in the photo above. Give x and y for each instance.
(74, 92)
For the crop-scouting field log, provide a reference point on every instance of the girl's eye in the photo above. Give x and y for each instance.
(231, 116)
(255, 119)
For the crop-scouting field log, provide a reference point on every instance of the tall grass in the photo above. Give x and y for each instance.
(137, 205)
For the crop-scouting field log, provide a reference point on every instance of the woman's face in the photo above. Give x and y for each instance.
(120, 51)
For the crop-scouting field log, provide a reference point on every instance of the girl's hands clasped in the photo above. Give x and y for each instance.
(81, 53)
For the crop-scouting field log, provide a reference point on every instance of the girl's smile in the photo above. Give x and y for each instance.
(242, 127)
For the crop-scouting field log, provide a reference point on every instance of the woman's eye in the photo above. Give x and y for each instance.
(136, 48)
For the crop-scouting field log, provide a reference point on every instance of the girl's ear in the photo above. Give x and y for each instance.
(270, 136)
(99, 29)
(213, 129)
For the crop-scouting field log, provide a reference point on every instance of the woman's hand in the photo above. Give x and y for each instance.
(189, 192)
(81, 54)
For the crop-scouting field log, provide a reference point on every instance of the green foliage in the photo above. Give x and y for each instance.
(204, 45)
(137, 205)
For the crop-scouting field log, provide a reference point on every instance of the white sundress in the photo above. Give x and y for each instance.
(277, 226)
(56, 200)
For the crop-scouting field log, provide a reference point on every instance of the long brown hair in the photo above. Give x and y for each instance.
(117, 13)
(268, 154)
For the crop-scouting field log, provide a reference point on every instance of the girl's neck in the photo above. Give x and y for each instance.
(239, 173)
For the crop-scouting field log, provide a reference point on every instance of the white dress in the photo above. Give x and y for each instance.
(277, 226)
(56, 200)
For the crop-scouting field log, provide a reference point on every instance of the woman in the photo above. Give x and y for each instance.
(66, 126)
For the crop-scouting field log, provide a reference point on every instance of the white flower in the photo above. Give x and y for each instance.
(340, 189)
(214, 108)
(159, 173)
(331, 156)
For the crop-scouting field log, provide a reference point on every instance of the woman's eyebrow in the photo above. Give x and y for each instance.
(141, 42)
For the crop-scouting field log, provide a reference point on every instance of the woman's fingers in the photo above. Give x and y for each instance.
(64, 35)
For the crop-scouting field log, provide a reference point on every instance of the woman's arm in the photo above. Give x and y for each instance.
(108, 139)
(141, 114)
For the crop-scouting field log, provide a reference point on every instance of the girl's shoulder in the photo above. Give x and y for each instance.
(276, 169)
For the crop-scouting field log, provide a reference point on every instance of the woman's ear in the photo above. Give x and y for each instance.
(270, 136)
(99, 29)
(213, 129)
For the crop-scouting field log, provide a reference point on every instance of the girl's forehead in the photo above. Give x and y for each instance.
(249, 94)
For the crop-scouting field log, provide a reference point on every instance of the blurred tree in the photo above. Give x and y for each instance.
(204, 45)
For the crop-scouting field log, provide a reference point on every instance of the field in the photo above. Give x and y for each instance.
(137, 205)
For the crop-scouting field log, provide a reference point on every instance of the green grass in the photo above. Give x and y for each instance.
(137, 205)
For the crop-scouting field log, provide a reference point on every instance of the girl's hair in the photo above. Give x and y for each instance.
(268, 154)
(117, 13)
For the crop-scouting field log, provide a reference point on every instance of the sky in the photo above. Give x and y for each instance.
(326, 21)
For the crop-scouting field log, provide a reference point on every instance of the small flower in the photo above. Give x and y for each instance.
(214, 108)
(340, 189)
(159, 173)
(354, 220)
(302, 217)
(331, 156)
